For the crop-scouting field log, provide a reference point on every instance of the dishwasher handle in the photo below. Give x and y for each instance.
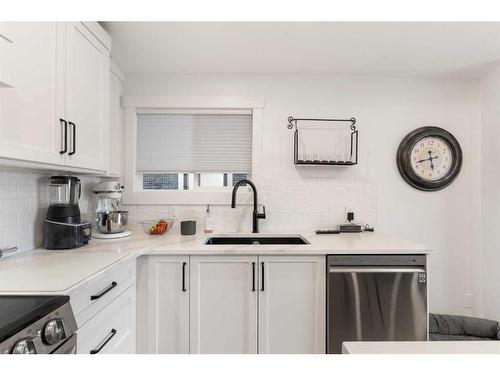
(347, 269)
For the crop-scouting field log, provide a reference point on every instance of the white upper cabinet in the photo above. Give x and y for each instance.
(87, 98)
(223, 305)
(30, 110)
(56, 111)
(116, 128)
(292, 304)
(5, 44)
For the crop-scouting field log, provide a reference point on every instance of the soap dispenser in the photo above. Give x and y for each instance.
(209, 226)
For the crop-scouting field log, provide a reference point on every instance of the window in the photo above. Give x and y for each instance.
(190, 149)
(160, 181)
(189, 181)
(187, 151)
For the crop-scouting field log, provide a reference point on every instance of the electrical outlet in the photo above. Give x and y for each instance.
(469, 300)
(349, 213)
(173, 212)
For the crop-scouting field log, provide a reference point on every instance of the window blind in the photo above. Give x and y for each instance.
(194, 143)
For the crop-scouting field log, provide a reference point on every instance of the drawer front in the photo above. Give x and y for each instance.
(111, 331)
(88, 299)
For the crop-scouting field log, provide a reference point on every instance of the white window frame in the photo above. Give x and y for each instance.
(135, 105)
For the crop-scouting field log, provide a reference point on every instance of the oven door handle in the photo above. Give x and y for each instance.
(341, 269)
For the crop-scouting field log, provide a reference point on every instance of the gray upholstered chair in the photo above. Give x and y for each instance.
(443, 327)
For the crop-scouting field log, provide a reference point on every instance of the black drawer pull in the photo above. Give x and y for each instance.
(253, 276)
(104, 342)
(65, 123)
(73, 151)
(263, 276)
(97, 296)
(184, 264)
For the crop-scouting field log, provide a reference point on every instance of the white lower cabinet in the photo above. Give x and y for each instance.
(292, 304)
(231, 304)
(112, 330)
(165, 308)
(223, 305)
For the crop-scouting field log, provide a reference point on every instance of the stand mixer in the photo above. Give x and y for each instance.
(110, 220)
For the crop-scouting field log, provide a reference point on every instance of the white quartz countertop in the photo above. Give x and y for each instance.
(58, 271)
(422, 347)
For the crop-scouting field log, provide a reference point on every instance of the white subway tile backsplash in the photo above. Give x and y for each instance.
(27, 191)
(8, 191)
(13, 206)
(161, 209)
(16, 178)
(143, 208)
(293, 206)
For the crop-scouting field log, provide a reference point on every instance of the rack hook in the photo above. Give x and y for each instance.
(290, 124)
(353, 123)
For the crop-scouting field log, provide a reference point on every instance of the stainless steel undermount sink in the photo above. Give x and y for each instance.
(256, 240)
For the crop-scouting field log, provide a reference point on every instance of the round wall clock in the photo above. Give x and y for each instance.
(429, 158)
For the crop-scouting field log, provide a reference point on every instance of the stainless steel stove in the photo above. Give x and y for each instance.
(37, 325)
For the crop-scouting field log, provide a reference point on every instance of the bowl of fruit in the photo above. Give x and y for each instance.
(156, 226)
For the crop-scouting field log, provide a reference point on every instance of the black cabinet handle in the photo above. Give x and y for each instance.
(184, 264)
(104, 342)
(97, 296)
(263, 277)
(73, 151)
(65, 124)
(253, 276)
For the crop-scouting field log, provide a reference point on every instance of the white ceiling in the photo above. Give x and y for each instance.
(302, 48)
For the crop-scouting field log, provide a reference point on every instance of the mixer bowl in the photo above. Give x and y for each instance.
(112, 221)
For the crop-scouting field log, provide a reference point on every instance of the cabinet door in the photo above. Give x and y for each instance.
(165, 319)
(30, 128)
(292, 304)
(223, 305)
(5, 44)
(87, 98)
(116, 126)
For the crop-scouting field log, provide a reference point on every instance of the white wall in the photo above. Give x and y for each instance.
(386, 110)
(490, 116)
(24, 198)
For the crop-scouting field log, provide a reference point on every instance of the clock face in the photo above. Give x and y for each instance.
(431, 158)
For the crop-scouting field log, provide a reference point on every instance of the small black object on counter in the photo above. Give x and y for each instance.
(188, 228)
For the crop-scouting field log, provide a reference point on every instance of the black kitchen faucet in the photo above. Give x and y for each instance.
(256, 215)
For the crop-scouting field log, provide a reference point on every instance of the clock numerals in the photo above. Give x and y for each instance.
(430, 159)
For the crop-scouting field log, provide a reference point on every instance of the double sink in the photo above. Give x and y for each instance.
(256, 240)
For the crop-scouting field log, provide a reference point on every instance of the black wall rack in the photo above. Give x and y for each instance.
(353, 160)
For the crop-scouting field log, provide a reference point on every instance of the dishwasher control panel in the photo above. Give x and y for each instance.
(376, 260)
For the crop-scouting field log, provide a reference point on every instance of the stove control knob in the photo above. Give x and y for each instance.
(54, 331)
(24, 346)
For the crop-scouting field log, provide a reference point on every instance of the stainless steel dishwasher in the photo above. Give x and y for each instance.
(376, 298)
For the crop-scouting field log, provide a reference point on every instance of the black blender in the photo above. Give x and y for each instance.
(63, 228)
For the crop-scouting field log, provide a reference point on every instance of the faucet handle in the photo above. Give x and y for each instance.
(263, 214)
